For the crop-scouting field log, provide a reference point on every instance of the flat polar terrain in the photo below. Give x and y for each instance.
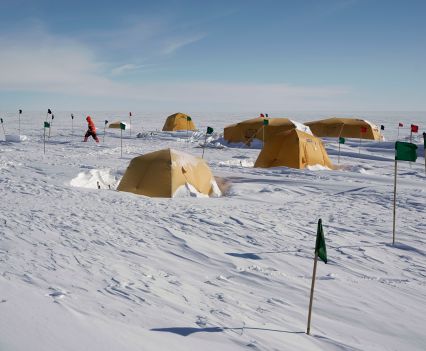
(89, 269)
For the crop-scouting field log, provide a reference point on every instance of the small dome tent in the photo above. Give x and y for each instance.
(246, 131)
(294, 149)
(178, 121)
(116, 125)
(336, 127)
(162, 173)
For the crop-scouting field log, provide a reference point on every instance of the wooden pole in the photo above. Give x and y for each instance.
(204, 147)
(397, 137)
(130, 119)
(121, 141)
(50, 125)
(103, 139)
(2, 125)
(424, 148)
(44, 140)
(19, 124)
(359, 147)
(263, 137)
(338, 157)
(314, 273)
(394, 202)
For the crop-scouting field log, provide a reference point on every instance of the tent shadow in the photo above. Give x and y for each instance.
(186, 331)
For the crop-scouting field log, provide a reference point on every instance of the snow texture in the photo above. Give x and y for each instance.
(83, 268)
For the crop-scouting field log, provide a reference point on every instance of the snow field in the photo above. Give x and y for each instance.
(82, 268)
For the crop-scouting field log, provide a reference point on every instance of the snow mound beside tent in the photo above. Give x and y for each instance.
(13, 138)
(91, 178)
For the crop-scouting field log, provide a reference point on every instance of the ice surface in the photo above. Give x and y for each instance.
(83, 268)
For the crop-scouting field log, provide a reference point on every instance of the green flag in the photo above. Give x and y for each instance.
(405, 151)
(1, 119)
(46, 125)
(320, 248)
(424, 140)
(265, 122)
(209, 130)
(122, 126)
(341, 140)
(189, 119)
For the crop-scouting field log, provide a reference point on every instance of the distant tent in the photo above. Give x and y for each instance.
(344, 127)
(116, 124)
(294, 149)
(179, 121)
(248, 130)
(161, 173)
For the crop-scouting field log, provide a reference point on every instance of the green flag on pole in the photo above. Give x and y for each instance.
(424, 140)
(209, 130)
(46, 125)
(342, 140)
(405, 151)
(320, 248)
(265, 122)
(122, 126)
(1, 119)
(189, 119)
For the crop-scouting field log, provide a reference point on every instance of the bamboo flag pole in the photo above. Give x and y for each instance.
(359, 146)
(51, 122)
(314, 274)
(394, 201)
(424, 148)
(321, 252)
(2, 125)
(265, 123)
(72, 125)
(46, 125)
(209, 131)
(19, 123)
(403, 152)
(122, 127)
(105, 123)
(130, 120)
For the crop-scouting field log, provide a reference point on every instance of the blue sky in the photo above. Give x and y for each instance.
(283, 55)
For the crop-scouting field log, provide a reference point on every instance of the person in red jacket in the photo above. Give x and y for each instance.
(91, 130)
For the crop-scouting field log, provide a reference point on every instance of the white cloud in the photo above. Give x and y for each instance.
(173, 45)
(127, 68)
(42, 63)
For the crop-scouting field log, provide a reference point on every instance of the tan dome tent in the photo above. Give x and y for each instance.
(294, 149)
(162, 173)
(344, 127)
(116, 124)
(178, 121)
(246, 131)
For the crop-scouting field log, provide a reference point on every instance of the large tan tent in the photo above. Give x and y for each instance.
(247, 131)
(116, 125)
(161, 173)
(179, 121)
(294, 149)
(344, 127)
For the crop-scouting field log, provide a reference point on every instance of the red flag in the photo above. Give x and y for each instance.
(400, 124)
(414, 128)
(261, 115)
(363, 129)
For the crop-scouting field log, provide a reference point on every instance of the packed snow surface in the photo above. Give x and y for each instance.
(83, 268)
